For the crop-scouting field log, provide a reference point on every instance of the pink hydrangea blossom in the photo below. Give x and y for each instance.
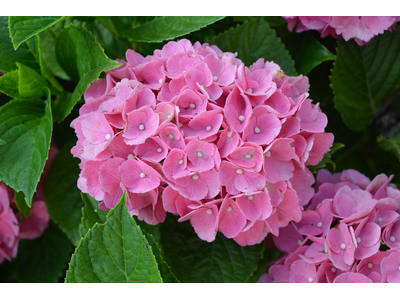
(192, 131)
(361, 29)
(341, 232)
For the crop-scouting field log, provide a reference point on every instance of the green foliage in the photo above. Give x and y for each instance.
(391, 143)
(253, 40)
(21, 204)
(8, 56)
(43, 259)
(83, 59)
(91, 214)
(167, 28)
(25, 126)
(9, 84)
(306, 51)
(63, 198)
(114, 252)
(194, 260)
(363, 77)
(23, 28)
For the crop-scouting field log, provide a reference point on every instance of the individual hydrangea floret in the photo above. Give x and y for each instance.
(343, 233)
(361, 29)
(192, 131)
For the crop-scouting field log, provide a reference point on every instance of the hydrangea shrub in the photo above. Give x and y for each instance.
(192, 131)
(348, 233)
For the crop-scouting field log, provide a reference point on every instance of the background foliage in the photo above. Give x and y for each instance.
(49, 62)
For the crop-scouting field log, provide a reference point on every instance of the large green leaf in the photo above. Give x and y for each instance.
(167, 28)
(194, 260)
(42, 260)
(364, 76)
(83, 59)
(9, 56)
(91, 214)
(23, 28)
(63, 198)
(114, 252)
(306, 51)
(25, 126)
(254, 40)
(20, 201)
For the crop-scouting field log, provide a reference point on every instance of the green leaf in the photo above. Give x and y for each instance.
(194, 260)
(91, 214)
(391, 142)
(83, 59)
(63, 198)
(363, 76)
(2, 143)
(25, 126)
(167, 28)
(114, 252)
(254, 40)
(9, 56)
(306, 51)
(9, 84)
(165, 270)
(24, 209)
(31, 83)
(23, 28)
(43, 259)
(327, 158)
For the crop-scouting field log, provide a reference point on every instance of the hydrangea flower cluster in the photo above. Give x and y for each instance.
(361, 29)
(350, 232)
(192, 131)
(13, 227)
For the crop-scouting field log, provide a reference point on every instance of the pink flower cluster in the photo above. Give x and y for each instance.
(361, 29)
(350, 232)
(192, 131)
(13, 227)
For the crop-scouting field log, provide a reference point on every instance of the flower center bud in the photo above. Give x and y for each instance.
(250, 197)
(141, 127)
(370, 265)
(342, 246)
(195, 177)
(268, 154)
(199, 154)
(180, 124)
(380, 220)
(248, 156)
(229, 208)
(215, 78)
(239, 171)
(160, 81)
(392, 239)
(249, 90)
(299, 242)
(358, 240)
(209, 211)
(108, 136)
(130, 156)
(333, 270)
(257, 130)
(208, 128)
(171, 136)
(319, 224)
(159, 150)
(298, 118)
(180, 161)
(310, 279)
(192, 105)
(229, 134)
(241, 118)
(142, 175)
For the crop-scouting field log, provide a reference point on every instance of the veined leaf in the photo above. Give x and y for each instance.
(254, 40)
(363, 76)
(114, 252)
(25, 126)
(91, 214)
